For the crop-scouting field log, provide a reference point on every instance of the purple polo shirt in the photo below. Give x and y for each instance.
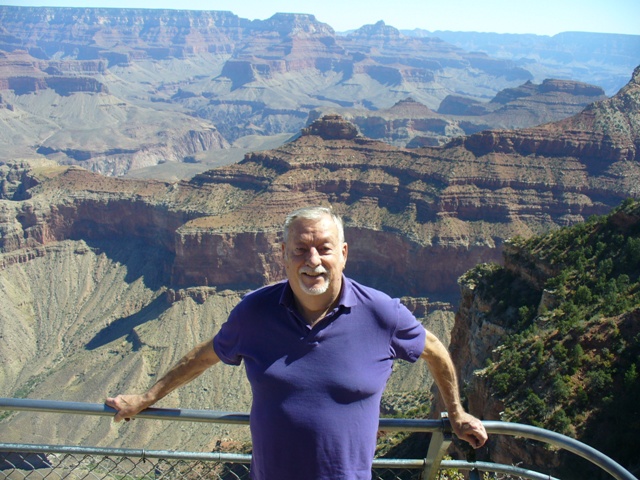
(316, 391)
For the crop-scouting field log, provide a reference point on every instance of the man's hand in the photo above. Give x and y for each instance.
(468, 428)
(127, 406)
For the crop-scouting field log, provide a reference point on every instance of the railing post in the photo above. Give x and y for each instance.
(440, 441)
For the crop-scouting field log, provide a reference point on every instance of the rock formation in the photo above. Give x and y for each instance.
(604, 134)
(411, 124)
(439, 210)
(129, 82)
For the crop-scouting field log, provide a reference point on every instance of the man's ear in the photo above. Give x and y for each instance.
(284, 251)
(345, 251)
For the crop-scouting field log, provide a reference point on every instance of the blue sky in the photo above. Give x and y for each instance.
(542, 17)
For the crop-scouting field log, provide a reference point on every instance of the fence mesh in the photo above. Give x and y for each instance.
(72, 466)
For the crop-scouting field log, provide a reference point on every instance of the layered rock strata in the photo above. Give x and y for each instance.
(98, 87)
(422, 216)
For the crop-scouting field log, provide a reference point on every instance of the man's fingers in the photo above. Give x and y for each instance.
(473, 433)
(476, 437)
(118, 403)
(477, 441)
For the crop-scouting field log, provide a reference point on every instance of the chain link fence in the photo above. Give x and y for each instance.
(93, 466)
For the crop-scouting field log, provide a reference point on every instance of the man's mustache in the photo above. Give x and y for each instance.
(319, 270)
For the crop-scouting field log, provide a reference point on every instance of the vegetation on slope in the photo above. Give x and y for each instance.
(572, 361)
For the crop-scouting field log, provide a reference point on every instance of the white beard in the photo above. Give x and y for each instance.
(314, 290)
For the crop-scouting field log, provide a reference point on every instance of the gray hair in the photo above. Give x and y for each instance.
(313, 213)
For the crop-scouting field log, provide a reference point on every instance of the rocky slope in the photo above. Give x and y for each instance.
(551, 339)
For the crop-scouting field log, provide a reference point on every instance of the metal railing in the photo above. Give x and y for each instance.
(24, 460)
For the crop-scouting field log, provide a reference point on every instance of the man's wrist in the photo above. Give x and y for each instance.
(455, 411)
(149, 398)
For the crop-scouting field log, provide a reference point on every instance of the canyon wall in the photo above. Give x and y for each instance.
(128, 90)
(107, 281)
(423, 216)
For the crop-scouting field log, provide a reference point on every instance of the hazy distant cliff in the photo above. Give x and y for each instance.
(144, 88)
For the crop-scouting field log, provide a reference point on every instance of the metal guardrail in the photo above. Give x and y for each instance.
(170, 464)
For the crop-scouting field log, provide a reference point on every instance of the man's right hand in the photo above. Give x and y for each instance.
(127, 406)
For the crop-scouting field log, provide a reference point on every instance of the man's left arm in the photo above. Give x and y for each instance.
(466, 426)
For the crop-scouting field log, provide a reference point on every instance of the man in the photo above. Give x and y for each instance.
(318, 349)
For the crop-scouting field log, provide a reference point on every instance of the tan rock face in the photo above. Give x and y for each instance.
(234, 260)
(249, 259)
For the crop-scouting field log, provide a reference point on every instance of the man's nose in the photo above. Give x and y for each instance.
(313, 257)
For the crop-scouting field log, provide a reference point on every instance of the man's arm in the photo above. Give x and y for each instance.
(466, 427)
(189, 367)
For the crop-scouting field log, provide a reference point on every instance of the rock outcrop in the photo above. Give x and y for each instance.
(24, 73)
(61, 85)
(526, 323)
(411, 124)
(523, 106)
(603, 134)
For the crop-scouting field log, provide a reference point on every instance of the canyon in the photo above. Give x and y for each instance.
(416, 219)
(465, 198)
(107, 279)
(176, 93)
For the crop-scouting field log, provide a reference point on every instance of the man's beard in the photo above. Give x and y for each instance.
(317, 271)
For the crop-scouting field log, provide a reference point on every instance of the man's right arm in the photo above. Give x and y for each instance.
(189, 367)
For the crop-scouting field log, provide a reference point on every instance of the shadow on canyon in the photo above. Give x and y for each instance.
(124, 327)
(144, 262)
(142, 259)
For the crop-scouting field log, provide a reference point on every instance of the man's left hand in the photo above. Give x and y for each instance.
(469, 428)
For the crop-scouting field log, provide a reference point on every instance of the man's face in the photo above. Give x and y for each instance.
(314, 258)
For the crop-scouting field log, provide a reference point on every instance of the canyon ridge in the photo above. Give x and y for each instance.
(168, 94)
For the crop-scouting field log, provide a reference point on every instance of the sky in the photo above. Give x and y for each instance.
(541, 17)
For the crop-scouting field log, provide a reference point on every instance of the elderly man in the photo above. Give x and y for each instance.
(318, 349)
